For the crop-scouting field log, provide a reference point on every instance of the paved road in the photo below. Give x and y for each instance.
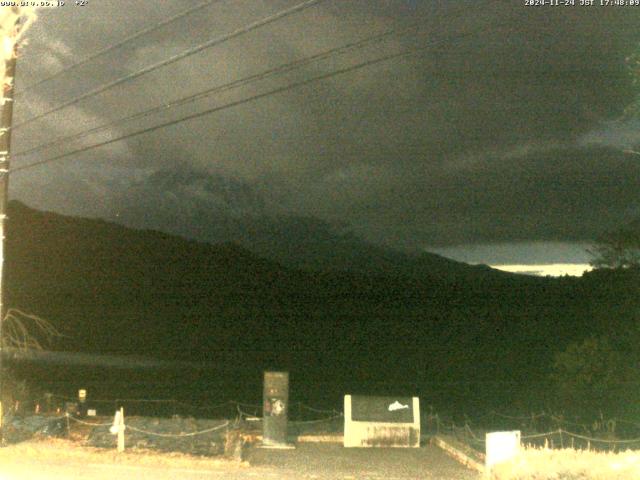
(332, 461)
(308, 461)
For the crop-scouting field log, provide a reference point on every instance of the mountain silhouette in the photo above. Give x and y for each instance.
(217, 209)
(380, 321)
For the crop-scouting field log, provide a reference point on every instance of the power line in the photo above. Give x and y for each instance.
(228, 86)
(192, 51)
(217, 89)
(218, 108)
(209, 111)
(126, 40)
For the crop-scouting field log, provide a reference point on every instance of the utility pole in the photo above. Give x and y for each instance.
(5, 147)
(10, 30)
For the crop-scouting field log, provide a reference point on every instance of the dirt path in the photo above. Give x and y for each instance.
(37, 470)
(332, 461)
(63, 461)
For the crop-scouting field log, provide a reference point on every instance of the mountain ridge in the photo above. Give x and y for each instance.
(113, 290)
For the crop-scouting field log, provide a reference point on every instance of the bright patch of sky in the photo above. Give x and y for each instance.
(533, 258)
(552, 269)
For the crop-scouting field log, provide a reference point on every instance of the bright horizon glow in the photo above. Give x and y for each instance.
(551, 269)
(541, 258)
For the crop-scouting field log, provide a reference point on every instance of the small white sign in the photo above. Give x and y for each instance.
(91, 413)
(501, 447)
(397, 406)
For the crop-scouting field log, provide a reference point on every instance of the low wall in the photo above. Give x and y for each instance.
(381, 421)
(460, 452)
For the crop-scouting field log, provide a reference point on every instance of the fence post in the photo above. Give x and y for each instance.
(121, 431)
(82, 402)
(118, 428)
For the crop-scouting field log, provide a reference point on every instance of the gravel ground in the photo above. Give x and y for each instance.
(332, 461)
(56, 459)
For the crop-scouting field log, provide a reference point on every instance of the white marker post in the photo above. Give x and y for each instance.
(118, 428)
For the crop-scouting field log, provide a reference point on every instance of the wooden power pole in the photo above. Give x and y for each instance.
(11, 28)
(5, 146)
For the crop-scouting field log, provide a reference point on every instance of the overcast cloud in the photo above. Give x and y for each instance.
(504, 130)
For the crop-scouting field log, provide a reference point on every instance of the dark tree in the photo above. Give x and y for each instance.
(617, 249)
(596, 376)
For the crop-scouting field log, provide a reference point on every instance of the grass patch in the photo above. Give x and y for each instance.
(570, 464)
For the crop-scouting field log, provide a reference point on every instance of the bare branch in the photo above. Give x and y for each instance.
(24, 331)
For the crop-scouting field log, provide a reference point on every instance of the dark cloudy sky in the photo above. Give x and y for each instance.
(503, 128)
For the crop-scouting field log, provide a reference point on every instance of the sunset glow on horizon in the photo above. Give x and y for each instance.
(551, 269)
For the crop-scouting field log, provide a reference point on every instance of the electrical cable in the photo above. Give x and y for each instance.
(234, 84)
(283, 89)
(213, 90)
(187, 53)
(126, 40)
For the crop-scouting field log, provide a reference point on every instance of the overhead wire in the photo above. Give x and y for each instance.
(225, 87)
(115, 46)
(214, 90)
(180, 56)
(235, 103)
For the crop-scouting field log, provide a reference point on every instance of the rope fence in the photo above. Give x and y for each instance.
(551, 438)
(186, 435)
(601, 433)
(91, 424)
(179, 435)
(320, 420)
(300, 412)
